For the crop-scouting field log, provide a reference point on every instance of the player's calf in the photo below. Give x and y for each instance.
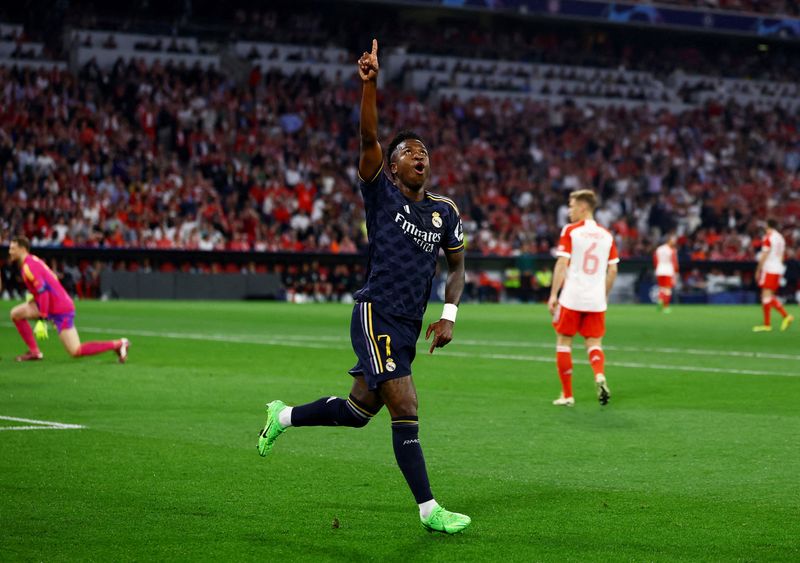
(329, 411)
(597, 359)
(408, 453)
(410, 459)
(564, 366)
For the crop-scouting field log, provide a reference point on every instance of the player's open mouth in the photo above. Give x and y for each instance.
(420, 168)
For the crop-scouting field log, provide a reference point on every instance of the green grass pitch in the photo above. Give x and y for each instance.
(696, 458)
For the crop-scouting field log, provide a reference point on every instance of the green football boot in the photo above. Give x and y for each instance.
(441, 520)
(272, 429)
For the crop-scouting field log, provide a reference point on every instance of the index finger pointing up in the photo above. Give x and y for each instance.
(375, 47)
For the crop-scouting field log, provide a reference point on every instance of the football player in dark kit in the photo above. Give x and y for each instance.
(407, 226)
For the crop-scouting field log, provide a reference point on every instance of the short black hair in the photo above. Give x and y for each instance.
(772, 223)
(403, 135)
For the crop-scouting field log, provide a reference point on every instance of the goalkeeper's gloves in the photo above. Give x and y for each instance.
(29, 297)
(40, 330)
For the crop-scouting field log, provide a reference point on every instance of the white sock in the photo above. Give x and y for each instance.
(426, 508)
(285, 417)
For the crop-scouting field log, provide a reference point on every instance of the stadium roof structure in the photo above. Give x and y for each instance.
(704, 20)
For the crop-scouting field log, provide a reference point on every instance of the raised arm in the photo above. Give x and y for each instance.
(443, 328)
(371, 156)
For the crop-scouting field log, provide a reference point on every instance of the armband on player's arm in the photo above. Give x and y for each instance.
(449, 312)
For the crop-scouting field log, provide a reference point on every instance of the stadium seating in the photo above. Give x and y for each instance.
(16, 49)
(106, 47)
(189, 197)
(178, 155)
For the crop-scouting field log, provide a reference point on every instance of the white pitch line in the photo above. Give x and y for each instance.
(548, 345)
(633, 365)
(612, 347)
(315, 342)
(4, 428)
(300, 342)
(659, 350)
(40, 424)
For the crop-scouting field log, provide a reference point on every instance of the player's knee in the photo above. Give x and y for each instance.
(403, 404)
(405, 409)
(355, 413)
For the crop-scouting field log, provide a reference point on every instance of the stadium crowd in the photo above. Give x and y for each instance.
(517, 39)
(181, 158)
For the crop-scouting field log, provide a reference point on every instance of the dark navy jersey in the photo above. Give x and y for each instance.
(404, 241)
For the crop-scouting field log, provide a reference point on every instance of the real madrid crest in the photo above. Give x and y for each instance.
(436, 219)
(390, 365)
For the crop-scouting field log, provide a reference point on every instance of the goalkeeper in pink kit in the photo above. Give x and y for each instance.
(51, 303)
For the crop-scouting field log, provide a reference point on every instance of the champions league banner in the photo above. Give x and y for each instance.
(641, 14)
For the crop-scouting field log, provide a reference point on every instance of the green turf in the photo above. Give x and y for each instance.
(695, 459)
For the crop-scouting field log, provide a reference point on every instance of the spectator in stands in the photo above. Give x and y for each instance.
(109, 43)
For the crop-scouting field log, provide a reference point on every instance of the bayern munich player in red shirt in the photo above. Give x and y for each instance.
(584, 273)
(768, 273)
(665, 260)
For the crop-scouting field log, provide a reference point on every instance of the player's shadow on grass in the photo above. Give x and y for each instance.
(597, 418)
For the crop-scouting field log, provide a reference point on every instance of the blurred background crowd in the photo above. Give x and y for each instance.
(171, 155)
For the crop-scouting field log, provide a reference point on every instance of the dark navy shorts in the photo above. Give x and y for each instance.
(385, 345)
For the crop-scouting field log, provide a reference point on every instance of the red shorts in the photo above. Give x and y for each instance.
(770, 281)
(589, 324)
(665, 281)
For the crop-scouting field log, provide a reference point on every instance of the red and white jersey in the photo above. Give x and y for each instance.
(666, 260)
(775, 247)
(590, 249)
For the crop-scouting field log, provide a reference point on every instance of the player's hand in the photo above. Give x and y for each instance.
(552, 303)
(442, 331)
(368, 64)
(40, 330)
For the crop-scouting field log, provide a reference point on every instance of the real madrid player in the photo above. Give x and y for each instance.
(407, 225)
